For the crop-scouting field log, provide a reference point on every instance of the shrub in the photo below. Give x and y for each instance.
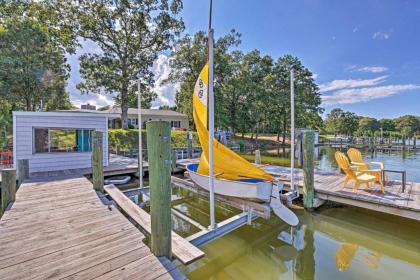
(127, 140)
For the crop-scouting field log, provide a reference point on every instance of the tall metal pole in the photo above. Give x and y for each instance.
(211, 121)
(139, 123)
(292, 129)
(211, 132)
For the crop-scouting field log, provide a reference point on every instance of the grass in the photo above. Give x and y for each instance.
(266, 159)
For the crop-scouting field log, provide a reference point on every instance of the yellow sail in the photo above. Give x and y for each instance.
(227, 164)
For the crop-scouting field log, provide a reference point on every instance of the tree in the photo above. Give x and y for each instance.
(33, 69)
(340, 122)
(129, 34)
(253, 80)
(5, 122)
(188, 58)
(147, 97)
(167, 107)
(408, 125)
(307, 96)
(334, 123)
(368, 126)
(387, 124)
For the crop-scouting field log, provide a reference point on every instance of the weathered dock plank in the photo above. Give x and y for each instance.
(58, 228)
(183, 250)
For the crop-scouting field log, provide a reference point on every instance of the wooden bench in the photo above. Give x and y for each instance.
(183, 250)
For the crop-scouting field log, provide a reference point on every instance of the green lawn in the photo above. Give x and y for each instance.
(268, 159)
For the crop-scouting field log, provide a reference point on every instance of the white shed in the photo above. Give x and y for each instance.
(55, 141)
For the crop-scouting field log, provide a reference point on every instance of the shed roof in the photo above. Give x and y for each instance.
(151, 112)
(67, 113)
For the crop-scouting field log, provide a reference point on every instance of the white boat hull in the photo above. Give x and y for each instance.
(259, 189)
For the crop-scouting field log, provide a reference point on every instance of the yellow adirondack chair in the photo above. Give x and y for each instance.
(356, 159)
(360, 177)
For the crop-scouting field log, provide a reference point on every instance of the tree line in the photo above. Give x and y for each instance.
(339, 122)
(252, 90)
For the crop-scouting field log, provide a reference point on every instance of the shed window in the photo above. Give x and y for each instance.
(176, 124)
(62, 140)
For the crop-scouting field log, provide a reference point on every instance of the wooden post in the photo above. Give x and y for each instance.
(97, 161)
(8, 188)
(308, 168)
(257, 157)
(159, 155)
(189, 145)
(174, 158)
(299, 148)
(23, 170)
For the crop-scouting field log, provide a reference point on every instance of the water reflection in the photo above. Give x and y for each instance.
(345, 255)
(336, 243)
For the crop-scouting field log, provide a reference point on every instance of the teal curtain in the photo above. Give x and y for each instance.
(84, 140)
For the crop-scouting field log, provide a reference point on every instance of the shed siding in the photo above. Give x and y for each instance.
(42, 162)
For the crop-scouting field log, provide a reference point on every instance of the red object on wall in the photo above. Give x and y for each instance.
(6, 157)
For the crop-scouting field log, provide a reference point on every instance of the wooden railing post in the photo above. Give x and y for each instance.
(8, 188)
(97, 161)
(299, 147)
(257, 157)
(159, 157)
(308, 168)
(189, 145)
(23, 170)
(174, 156)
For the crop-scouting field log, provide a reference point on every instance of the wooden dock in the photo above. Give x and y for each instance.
(118, 165)
(59, 228)
(329, 187)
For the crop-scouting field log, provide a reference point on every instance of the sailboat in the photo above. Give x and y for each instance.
(233, 175)
(221, 170)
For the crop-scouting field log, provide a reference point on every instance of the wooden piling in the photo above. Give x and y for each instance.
(189, 145)
(257, 157)
(173, 160)
(8, 188)
(308, 168)
(159, 155)
(23, 170)
(97, 161)
(299, 148)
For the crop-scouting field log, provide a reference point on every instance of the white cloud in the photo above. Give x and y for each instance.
(166, 92)
(380, 35)
(356, 95)
(99, 100)
(372, 69)
(355, 30)
(345, 84)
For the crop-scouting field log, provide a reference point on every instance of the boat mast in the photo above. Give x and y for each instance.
(292, 130)
(139, 124)
(211, 120)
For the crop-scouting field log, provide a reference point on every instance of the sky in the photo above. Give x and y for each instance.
(364, 54)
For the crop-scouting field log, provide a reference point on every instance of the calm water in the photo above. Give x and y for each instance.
(332, 243)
